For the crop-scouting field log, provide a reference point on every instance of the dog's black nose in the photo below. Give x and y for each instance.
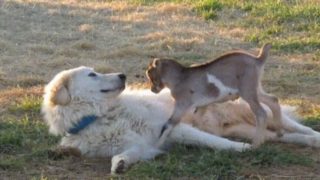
(122, 77)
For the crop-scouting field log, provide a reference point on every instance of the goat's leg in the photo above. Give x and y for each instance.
(274, 105)
(186, 134)
(179, 110)
(248, 91)
(260, 115)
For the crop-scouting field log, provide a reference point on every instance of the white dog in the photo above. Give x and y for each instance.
(95, 115)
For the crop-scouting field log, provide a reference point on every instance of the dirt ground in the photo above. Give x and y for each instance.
(39, 38)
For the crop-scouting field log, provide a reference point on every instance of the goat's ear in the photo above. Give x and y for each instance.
(60, 93)
(156, 62)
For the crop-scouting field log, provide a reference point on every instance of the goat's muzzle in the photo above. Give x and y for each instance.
(155, 89)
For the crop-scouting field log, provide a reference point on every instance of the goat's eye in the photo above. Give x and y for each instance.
(92, 74)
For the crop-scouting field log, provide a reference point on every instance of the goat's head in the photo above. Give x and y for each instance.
(154, 74)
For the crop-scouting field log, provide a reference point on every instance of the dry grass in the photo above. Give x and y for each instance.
(12, 96)
(42, 37)
(48, 36)
(39, 38)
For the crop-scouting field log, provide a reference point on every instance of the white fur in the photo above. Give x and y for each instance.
(223, 89)
(225, 93)
(129, 121)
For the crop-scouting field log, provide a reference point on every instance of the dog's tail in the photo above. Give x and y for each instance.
(264, 51)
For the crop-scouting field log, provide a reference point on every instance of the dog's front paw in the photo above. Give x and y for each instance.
(118, 165)
(246, 146)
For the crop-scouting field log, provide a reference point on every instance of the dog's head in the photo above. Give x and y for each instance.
(85, 84)
(77, 92)
(154, 73)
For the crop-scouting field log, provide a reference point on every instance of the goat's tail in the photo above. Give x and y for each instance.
(263, 54)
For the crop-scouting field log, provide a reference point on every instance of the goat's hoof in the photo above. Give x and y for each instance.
(118, 165)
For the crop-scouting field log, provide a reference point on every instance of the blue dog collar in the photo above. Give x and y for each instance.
(83, 123)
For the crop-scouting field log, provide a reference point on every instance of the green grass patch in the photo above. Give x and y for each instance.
(208, 8)
(292, 26)
(29, 104)
(23, 135)
(297, 45)
(24, 141)
(194, 162)
(271, 155)
(11, 162)
(313, 121)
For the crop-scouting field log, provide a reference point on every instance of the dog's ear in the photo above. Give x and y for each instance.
(60, 93)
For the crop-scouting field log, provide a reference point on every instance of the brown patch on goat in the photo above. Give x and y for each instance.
(212, 90)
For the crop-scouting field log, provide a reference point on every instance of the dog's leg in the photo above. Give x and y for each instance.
(302, 139)
(246, 131)
(184, 133)
(274, 105)
(121, 162)
(293, 126)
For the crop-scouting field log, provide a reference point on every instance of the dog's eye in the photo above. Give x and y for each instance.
(92, 74)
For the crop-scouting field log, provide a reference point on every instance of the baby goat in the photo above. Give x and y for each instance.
(230, 76)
